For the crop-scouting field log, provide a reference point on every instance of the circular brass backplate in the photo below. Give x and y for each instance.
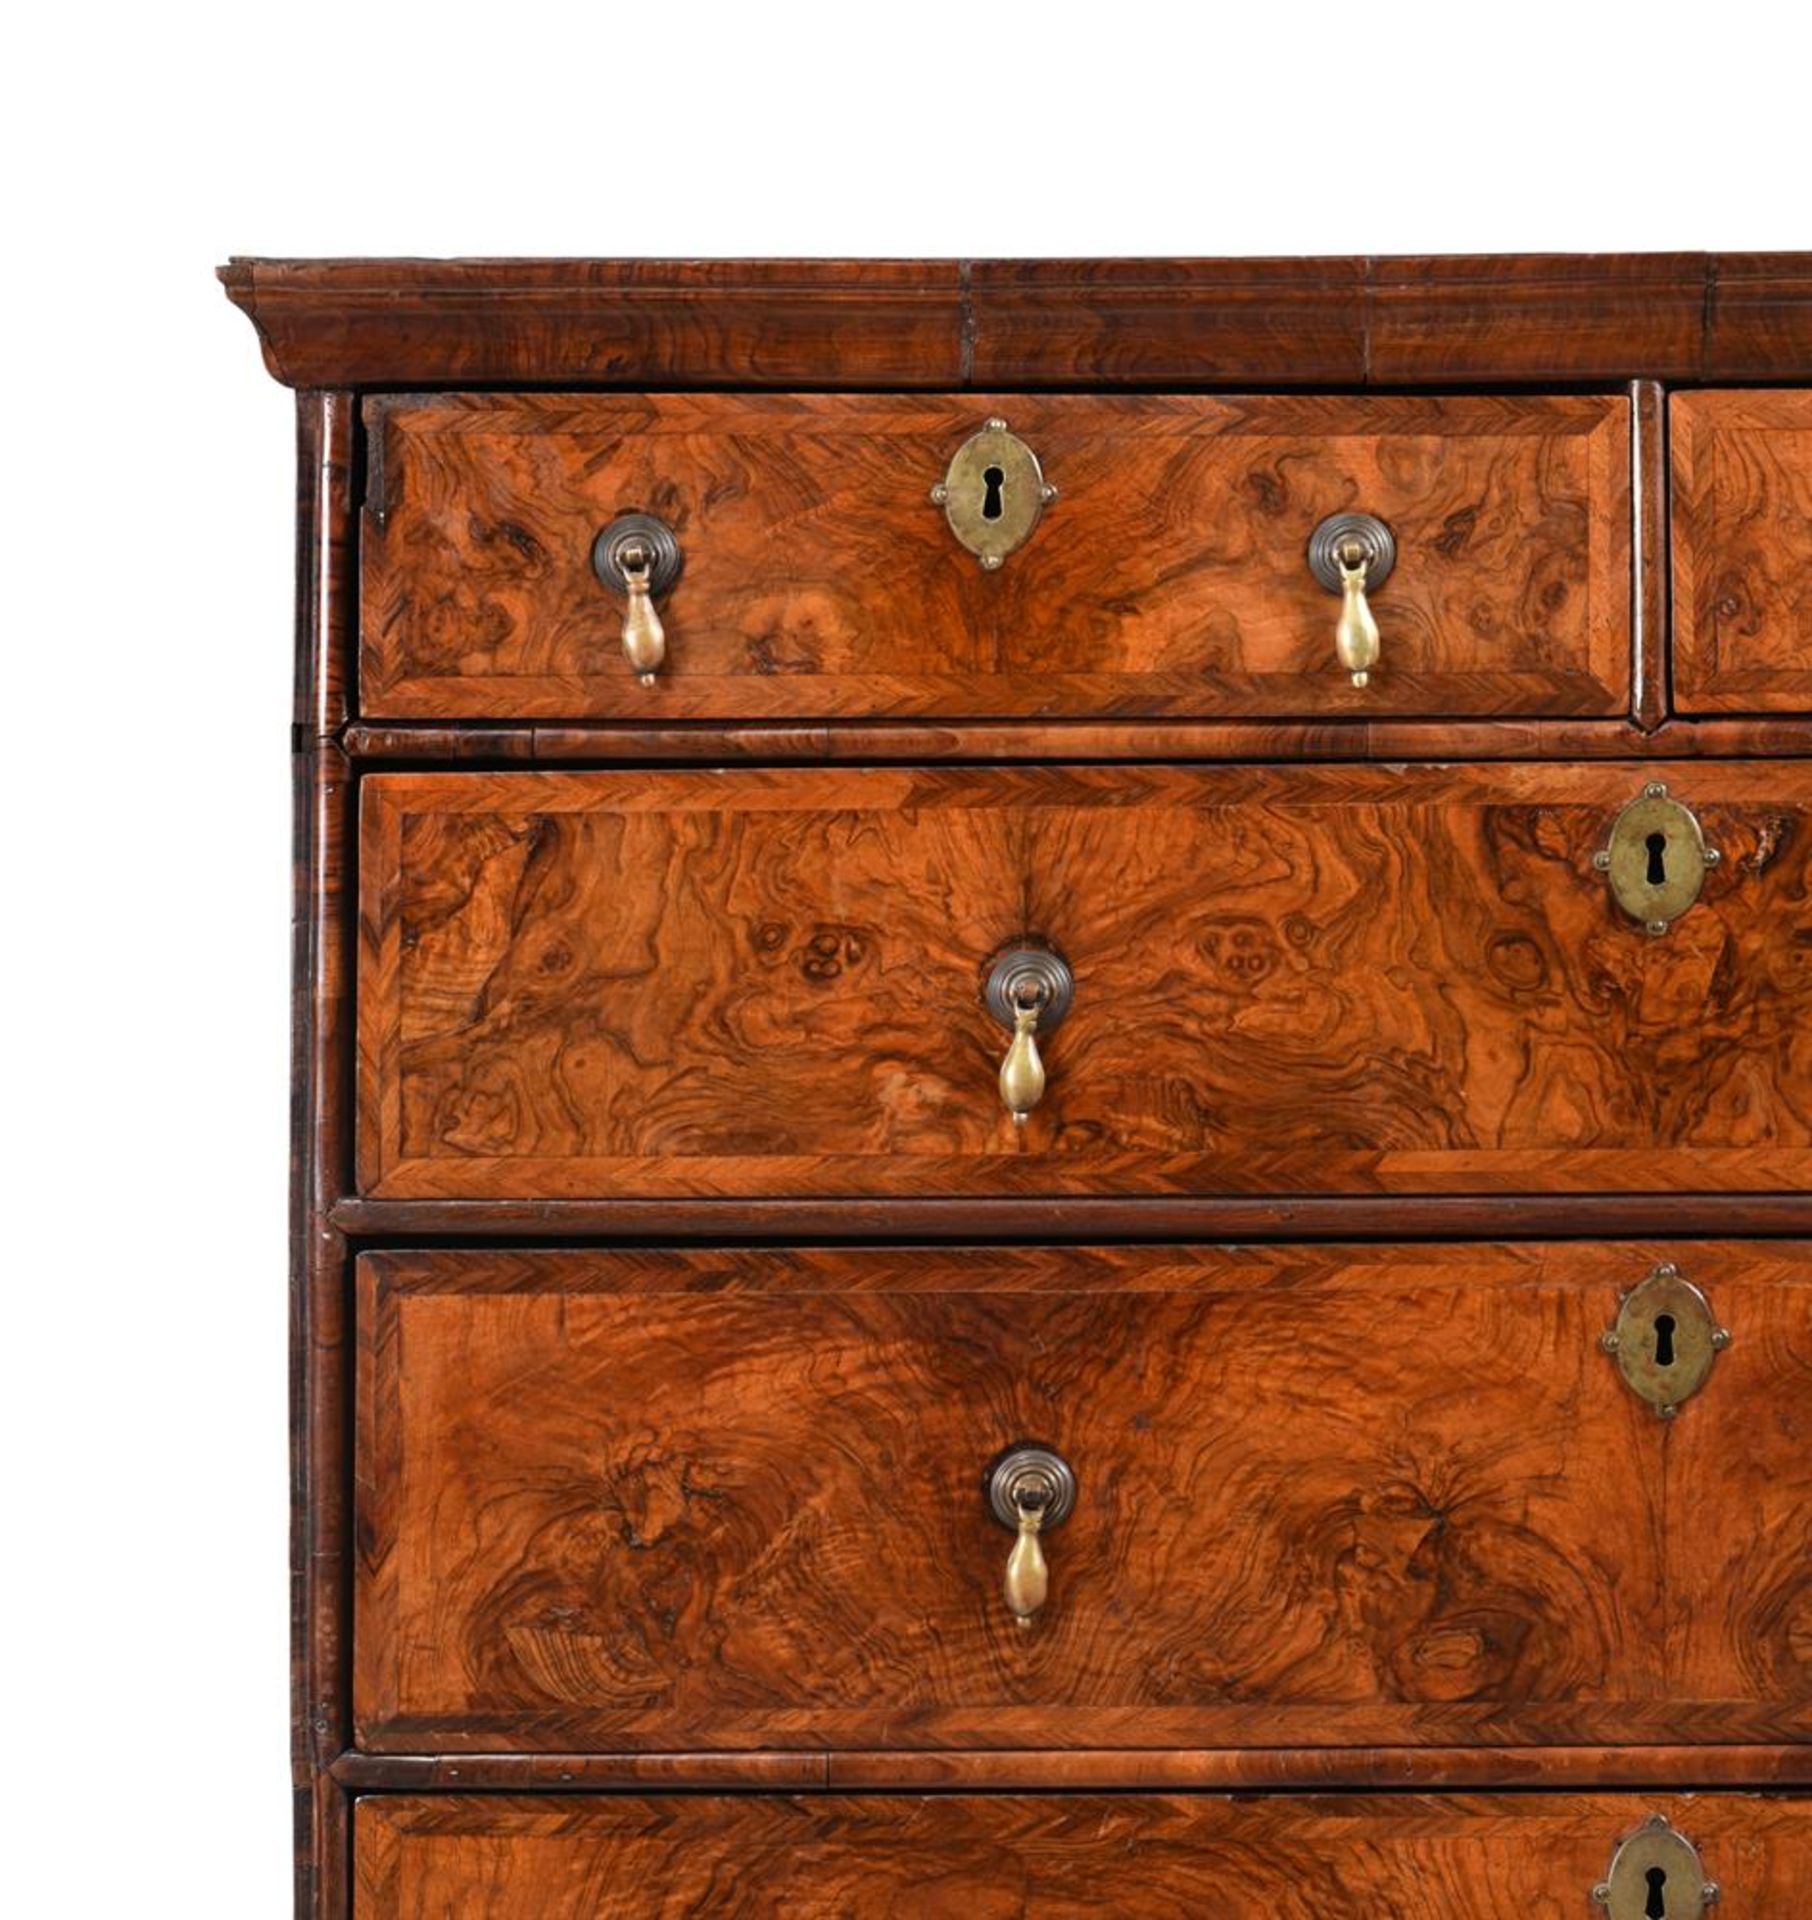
(1028, 1474)
(1026, 974)
(656, 539)
(1364, 530)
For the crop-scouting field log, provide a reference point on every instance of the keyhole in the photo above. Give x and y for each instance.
(994, 481)
(1664, 1339)
(1657, 859)
(1657, 1894)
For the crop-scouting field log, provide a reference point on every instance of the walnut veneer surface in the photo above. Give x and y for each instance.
(668, 1272)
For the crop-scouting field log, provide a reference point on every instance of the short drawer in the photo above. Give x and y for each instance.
(1327, 1497)
(1410, 1857)
(818, 579)
(1335, 980)
(1742, 542)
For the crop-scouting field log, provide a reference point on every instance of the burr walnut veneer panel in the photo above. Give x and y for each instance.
(1326, 1496)
(1411, 1857)
(1170, 577)
(1304, 979)
(1742, 522)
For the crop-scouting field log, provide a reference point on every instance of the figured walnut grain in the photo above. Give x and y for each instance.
(1290, 980)
(1412, 1857)
(1328, 1496)
(1169, 578)
(1742, 540)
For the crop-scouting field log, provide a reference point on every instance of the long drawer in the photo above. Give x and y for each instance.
(1321, 1496)
(802, 570)
(1529, 1857)
(1315, 979)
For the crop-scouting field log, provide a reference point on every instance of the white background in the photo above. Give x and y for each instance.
(145, 620)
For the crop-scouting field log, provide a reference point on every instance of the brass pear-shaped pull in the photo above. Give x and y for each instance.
(1028, 1578)
(1355, 632)
(1028, 990)
(644, 638)
(1031, 1490)
(638, 557)
(1022, 1071)
(1351, 554)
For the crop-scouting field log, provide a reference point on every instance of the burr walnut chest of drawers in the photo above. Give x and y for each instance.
(1053, 1086)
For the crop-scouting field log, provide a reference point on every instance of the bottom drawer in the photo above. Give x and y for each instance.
(1302, 1858)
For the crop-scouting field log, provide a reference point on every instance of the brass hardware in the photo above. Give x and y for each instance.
(1655, 1870)
(1030, 1491)
(993, 493)
(1022, 1071)
(1656, 858)
(1028, 990)
(1352, 554)
(638, 557)
(1665, 1340)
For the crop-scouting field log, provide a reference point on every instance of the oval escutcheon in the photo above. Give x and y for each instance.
(1656, 858)
(993, 493)
(1665, 1340)
(1656, 1870)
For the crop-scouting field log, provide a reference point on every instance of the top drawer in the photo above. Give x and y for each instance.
(1170, 575)
(1742, 524)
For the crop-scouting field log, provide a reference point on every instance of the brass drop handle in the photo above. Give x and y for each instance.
(644, 638)
(1030, 1489)
(1022, 1071)
(1351, 554)
(1029, 989)
(1355, 632)
(638, 557)
(1028, 1579)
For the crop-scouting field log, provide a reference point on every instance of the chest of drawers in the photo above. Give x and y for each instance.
(1053, 1086)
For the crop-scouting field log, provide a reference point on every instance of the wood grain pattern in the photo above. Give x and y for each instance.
(1328, 1497)
(905, 743)
(884, 323)
(1078, 1218)
(1299, 980)
(1742, 534)
(1334, 322)
(1170, 577)
(327, 428)
(1649, 595)
(875, 1858)
(321, 1046)
(1108, 1769)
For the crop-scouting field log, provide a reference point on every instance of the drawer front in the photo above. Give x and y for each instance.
(1329, 1497)
(1534, 1857)
(1317, 980)
(1742, 536)
(1169, 576)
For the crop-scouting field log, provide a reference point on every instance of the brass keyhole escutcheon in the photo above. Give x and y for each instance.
(1665, 1340)
(1656, 858)
(1656, 1874)
(993, 493)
